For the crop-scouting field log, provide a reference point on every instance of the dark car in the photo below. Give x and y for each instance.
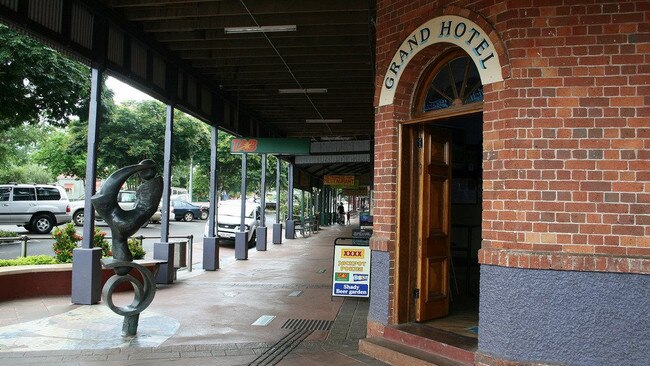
(183, 210)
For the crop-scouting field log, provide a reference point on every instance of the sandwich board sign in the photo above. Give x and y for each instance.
(351, 272)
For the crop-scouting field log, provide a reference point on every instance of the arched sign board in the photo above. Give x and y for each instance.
(450, 29)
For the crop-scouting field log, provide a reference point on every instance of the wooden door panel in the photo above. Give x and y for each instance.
(437, 275)
(437, 215)
(434, 248)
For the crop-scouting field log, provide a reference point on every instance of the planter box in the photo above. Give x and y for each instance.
(20, 282)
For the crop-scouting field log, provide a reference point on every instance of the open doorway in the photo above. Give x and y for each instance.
(440, 200)
(465, 224)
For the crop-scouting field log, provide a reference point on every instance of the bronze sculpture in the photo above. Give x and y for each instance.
(123, 224)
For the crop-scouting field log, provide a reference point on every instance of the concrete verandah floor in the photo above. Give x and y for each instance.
(204, 318)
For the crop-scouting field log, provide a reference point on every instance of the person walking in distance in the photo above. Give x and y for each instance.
(341, 211)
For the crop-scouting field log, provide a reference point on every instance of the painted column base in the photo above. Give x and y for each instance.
(86, 276)
(241, 245)
(210, 254)
(277, 233)
(164, 252)
(290, 232)
(260, 233)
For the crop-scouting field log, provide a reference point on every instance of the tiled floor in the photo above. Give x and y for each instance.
(204, 318)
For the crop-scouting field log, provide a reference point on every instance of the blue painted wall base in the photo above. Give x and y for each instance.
(210, 254)
(86, 276)
(241, 245)
(277, 233)
(164, 252)
(260, 244)
(564, 317)
(290, 232)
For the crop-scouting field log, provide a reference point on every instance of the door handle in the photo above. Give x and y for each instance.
(5, 204)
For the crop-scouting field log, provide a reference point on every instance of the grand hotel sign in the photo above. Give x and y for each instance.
(451, 29)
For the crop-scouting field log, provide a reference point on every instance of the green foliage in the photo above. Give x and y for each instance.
(99, 241)
(26, 261)
(62, 154)
(18, 144)
(136, 249)
(38, 84)
(8, 234)
(30, 173)
(66, 239)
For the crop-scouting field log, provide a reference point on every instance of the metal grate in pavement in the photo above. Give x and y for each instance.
(278, 351)
(308, 324)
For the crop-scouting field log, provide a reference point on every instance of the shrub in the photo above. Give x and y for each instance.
(99, 241)
(34, 259)
(66, 239)
(136, 249)
(8, 234)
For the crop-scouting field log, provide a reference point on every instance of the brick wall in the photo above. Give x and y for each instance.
(566, 162)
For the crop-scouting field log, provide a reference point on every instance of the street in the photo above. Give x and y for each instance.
(178, 231)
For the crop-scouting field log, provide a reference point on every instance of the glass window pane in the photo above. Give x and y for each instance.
(48, 194)
(24, 194)
(4, 193)
(456, 82)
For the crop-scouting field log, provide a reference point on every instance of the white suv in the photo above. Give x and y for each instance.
(229, 219)
(37, 207)
(126, 200)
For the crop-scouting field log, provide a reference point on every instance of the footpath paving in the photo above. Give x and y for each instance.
(273, 309)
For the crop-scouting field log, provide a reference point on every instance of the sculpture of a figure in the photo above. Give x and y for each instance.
(124, 223)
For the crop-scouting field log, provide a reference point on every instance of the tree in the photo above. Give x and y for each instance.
(38, 84)
(29, 173)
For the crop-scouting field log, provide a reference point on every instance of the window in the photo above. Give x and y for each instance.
(452, 83)
(127, 197)
(24, 194)
(47, 194)
(4, 194)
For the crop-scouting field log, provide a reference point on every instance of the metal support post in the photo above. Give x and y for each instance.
(241, 237)
(86, 265)
(167, 173)
(165, 250)
(23, 245)
(211, 241)
(261, 230)
(277, 226)
(290, 231)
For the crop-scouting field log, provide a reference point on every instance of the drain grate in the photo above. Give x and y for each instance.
(283, 347)
(308, 324)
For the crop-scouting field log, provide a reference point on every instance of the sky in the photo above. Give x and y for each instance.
(124, 92)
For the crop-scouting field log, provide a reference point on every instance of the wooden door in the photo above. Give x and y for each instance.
(434, 218)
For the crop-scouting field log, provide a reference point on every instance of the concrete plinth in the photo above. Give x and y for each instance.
(261, 232)
(290, 233)
(277, 233)
(164, 252)
(210, 254)
(86, 276)
(241, 245)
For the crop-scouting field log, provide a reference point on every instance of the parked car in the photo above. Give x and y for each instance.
(229, 220)
(126, 200)
(183, 210)
(37, 207)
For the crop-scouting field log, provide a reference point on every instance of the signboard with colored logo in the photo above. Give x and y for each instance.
(351, 273)
(340, 180)
(282, 146)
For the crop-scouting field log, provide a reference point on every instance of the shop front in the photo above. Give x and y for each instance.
(511, 182)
